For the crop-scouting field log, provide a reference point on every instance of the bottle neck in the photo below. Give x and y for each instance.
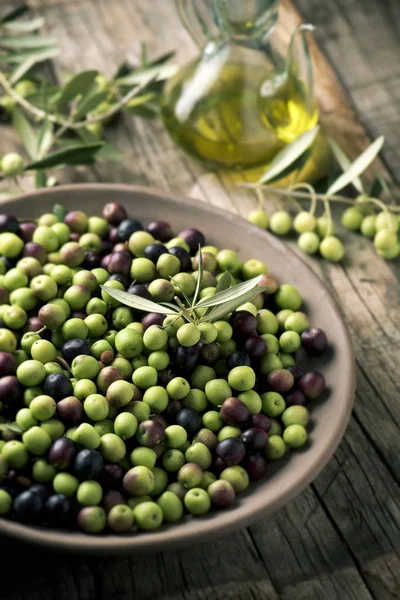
(248, 22)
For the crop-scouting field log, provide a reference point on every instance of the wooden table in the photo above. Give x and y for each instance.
(340, 538)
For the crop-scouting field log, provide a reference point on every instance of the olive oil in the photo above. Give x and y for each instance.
(234, 110)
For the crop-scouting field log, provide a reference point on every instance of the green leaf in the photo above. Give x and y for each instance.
(77, 84)
(26, 133)
(232, 293)
(344, 163)
(286, 157)
(162, 59)
(27, 64)
(22, 55)
(15, 13)
(379, 185)
(123, 69)
(199, 278)
(60, 211)
(40, 179)
(25, 26)
(109, 152)
(220, 311)
(296, 166)
(19, 42)
(45, 97)
(224, 282)
(357, 167)
(136, 302)
(171, 306)
(150, 110)
(139, 100)
(144, 54)
(160, 73)
(14, 427)
(45, 137)
(72, 155)
(89, 102)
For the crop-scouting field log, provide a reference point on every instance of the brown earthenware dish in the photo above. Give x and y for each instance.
(330, 415)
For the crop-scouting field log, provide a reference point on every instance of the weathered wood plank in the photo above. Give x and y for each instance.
(362, 41)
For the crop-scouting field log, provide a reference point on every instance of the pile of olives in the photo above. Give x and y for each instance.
(119, 420)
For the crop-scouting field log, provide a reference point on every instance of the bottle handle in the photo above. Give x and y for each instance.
(193, 21)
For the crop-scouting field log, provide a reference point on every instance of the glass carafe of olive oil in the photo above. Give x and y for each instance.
(240, 101)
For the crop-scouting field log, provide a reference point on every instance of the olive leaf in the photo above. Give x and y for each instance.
(357, 167)
(40, 179)
(229, 300)
(15, 13)
(171, 306)
(45, 137)
(45, 98)
(107, 152)
(221, 310)
(18, 42)
(78, 154)
(137, 302)
(344, 163)
(78, 84)
(199, 278)
(224, 282)
(379, 185)
(160, 72)
(60, 212)
(144, 54)
(286, 157)
(162, 59)
(26, 133)
(27, 64)
(186, 298)
(14, 427)
(89, 102)
(232, 293)
(18, 57)
(23, 26)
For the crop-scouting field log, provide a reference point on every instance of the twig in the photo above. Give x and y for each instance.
(306, 196)
(41, 114)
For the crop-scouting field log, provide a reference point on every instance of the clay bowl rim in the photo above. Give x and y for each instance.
(252, 507)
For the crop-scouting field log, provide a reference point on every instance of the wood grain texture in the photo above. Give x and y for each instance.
(340, 538)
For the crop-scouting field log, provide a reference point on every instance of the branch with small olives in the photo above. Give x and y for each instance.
(63, 124)
(367, 213)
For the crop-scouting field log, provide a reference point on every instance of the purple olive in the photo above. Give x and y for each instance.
(243, 323)
(35, 251)
(62, 453)
(312, 384)
(231, 450)
(7, 364)
(193, 237)
(150, 433)
(222, 493)
(152, 319)
(160, 230)
(234, 412)
(255, 347)
(280, 380)
(314, 341)
(256, 466)
(114, 213)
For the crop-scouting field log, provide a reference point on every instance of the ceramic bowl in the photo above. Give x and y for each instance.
(330, 415)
